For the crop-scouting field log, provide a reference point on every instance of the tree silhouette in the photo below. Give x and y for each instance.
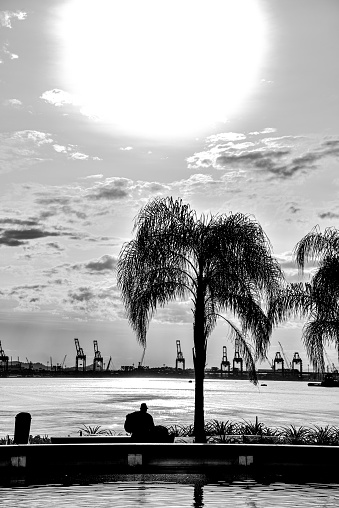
(223, 263)
(317, 301)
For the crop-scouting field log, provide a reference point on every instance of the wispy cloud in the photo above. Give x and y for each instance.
(14, 103)
(21, 149)
(281, 157)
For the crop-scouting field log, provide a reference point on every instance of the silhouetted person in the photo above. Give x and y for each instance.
(140, 424)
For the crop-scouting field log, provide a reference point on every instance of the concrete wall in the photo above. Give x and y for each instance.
(26, 464)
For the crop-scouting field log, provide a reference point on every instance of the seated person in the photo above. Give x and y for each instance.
(140, 424)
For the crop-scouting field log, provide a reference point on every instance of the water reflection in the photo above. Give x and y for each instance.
(198, 496)
(171, 491)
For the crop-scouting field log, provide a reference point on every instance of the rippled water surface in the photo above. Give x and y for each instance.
(62, 406)
(244, 494)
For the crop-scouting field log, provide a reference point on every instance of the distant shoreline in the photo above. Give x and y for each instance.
(263, 375)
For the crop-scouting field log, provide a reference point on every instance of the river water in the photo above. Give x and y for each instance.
(61, 406)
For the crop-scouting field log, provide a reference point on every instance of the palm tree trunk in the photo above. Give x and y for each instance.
(199, 359)
(199, 417)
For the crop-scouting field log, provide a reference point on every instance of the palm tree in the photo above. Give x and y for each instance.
(222, 263)
(317, 301)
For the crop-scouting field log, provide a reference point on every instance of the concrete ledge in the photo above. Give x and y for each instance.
(55, 462)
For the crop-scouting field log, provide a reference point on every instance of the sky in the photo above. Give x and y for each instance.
(231, 105)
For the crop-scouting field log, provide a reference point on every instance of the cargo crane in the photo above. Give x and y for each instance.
(237, 360)
(297, 361)
(3, 359)
(278, 360)
(80, 359)
(98, 362)
(140, 364)
(330, 365)
(109, 363)
(180, 357)
(225, 365)
(288, 363)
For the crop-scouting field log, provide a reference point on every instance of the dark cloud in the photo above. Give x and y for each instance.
(84, 294)
(110, 193)
(29, 287)
(328, 215)
(273, 156)
(55, 245)
(105, 263)
(112, 189)
(19, 222)
(16, 237)
(53, 201)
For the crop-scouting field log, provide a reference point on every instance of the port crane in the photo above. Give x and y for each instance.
(225, 364)
(297, 361)
(288, 363)
(330, 364)
(180, 357)
(237, 360)
(141, 363)
(278, 360)
(98, 362)
(80, 359)
(3, 359)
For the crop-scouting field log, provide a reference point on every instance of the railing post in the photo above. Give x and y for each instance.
(22, 428)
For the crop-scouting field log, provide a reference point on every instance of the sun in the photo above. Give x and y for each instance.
(161, 67)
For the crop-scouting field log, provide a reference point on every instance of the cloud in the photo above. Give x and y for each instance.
(112, 189)
(14, 103)
(19, 222)
(16, 237)
(281, 157)
(6, 17)
(127, 148)
(268, 130)
(104, 264)
(328, 215)
(58, 97)
(70, 151)
(7, 53)
(19, 150)
(94, 177)
(61, 98)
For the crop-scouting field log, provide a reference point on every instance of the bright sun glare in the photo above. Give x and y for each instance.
(161, 67)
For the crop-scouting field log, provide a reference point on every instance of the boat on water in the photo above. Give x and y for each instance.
(331, 379)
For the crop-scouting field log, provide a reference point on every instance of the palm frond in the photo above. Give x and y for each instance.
(316, 245)
(295, 299)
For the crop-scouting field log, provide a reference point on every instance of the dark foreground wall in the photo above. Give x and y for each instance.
(38, 464)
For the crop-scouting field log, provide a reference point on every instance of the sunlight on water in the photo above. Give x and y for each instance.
(61, 406)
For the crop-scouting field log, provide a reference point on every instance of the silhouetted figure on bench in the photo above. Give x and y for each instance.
(141, 425)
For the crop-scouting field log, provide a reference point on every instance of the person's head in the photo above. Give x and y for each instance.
(143, 407)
